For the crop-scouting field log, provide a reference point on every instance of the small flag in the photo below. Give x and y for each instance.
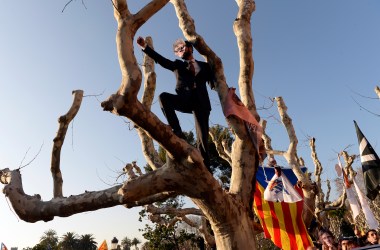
(370, 165)
(349, 191)
(3, 247)
(369, 217)
(103, 246)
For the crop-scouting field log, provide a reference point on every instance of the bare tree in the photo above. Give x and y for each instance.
(228, 212)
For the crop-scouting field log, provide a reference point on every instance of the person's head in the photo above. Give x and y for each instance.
(372, 236)
(348, 243)
(326, 237)
(272, 162)
(183, 49)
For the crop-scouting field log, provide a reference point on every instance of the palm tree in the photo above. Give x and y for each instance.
(126, 243)
(69, 241)
(49, 239)
(135, 242)
(87, 242)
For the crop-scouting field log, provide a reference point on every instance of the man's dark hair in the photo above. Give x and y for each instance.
(370, 230)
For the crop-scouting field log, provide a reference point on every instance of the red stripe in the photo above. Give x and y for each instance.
(301, 225)
(302, 228)
(276, 227)
(289, 224)
(259, 207)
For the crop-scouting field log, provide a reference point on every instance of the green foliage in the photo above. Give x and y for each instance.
(49, 240)
(87, 242)
(39, 247)
(126, 243)
(162, 237)
(69, 241)
(167, 238)
(339, 213)
(176, 202)
(135, 242)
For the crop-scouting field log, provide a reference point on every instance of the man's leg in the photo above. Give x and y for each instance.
(169, 104)
(202, 129)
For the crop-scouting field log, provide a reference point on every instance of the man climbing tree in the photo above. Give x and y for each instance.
(191, 97)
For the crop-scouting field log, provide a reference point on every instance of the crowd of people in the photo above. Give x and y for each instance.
(327, 241)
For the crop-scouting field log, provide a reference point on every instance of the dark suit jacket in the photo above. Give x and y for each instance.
(185, 80)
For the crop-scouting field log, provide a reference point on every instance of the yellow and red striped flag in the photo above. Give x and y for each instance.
(281, 221)
(103, 246)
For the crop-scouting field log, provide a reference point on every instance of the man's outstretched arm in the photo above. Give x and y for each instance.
(164, 62)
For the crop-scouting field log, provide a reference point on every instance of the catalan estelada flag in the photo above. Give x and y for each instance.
(281, 221)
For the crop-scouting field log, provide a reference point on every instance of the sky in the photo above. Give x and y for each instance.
(322, 57)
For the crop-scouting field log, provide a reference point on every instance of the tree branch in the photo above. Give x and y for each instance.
(294, 162)
(64, 122)
(173, 211)
(32, 208)
(244, 41)
(128, 169)
(178, 177)
(291, 154)
(319, 199)
(149, 151)
(147, 12)
(221, 147)
(160, 197)
(181, 215)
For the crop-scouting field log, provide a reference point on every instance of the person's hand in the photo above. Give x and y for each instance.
(140, 41)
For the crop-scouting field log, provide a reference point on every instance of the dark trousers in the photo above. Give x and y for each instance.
(187, 103)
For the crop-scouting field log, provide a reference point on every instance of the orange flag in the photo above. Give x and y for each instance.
(234, 106)
(103, 246)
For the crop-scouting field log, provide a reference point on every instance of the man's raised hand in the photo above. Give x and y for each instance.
(140, 41)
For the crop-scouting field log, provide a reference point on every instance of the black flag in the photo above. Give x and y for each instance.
(370, 165)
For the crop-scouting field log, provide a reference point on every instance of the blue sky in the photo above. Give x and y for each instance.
(319, 56)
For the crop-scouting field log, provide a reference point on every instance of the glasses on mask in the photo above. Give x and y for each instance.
(179, 48)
